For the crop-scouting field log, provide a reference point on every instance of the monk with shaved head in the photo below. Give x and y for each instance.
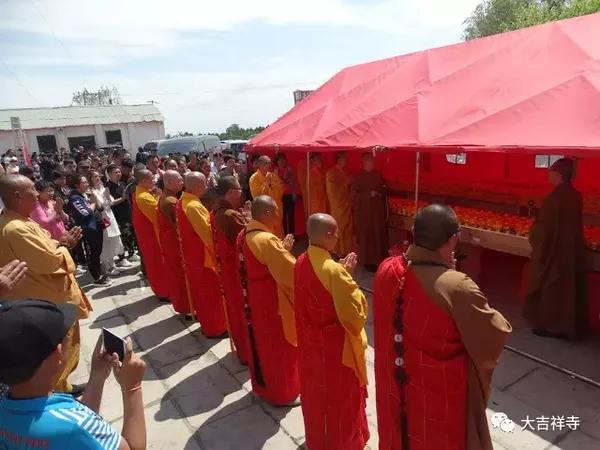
(145, 223)
(50, 270)
(198, 254)
(226, 222)
(169, 241)
(266, 182)
(266, 269)
(437, 342)
(331, 312)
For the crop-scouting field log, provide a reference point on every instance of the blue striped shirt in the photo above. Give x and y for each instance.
(57, 422)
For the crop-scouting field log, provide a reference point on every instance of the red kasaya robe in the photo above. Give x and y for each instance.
(330, 321)
(202, 281)
(270, 319)
(171, 252)
(435, 361)
(446, 340)
(227, 260)
(144, 218)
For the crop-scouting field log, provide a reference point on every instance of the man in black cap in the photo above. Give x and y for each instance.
(32, 335)
(556, 296)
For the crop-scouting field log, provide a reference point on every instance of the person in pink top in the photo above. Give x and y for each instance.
(48, 212)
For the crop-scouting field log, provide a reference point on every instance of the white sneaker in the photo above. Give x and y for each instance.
(134, 258)
(123, 263)
(81, 270)
(113, 272)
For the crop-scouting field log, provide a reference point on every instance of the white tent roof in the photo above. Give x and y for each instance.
(67, 116)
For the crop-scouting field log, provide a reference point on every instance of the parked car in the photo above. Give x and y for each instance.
(150, 146)
(189, 144)
(236, 146)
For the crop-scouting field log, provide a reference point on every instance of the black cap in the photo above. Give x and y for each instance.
(30, 330)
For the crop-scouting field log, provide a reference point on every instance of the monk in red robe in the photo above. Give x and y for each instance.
(169, 241)
(195, 236)
(267, 279)
(145, 223)
(437, 342)
(331, 312)
(226, 223)
(370, 214)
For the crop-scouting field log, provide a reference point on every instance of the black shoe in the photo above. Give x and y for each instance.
(103, 281)
(164, 300)
(78, 390)
(188, 317)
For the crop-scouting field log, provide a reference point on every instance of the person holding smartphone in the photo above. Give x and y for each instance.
(31, 412)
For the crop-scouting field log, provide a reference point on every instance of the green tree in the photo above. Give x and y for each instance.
(498, 16)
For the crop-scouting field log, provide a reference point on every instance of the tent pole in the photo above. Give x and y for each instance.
(417, 173)
(307, 184)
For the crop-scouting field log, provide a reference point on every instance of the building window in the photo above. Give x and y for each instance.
(87, 142)
(47, 143)
(113, 137)
(456, 158)
(545, 161)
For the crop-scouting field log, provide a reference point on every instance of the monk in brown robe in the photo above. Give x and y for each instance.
(226, 223)
(317, 193)
(369, 208)
(169, 242)
(437, 343)
(556, 296)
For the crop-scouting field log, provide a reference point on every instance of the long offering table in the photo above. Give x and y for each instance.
(494, 240)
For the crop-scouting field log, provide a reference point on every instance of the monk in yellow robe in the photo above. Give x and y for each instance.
(198, 252)
(267, 280)
(338, 183)
(317, 194)
(50, 269)
(331, 312)
(266, 182)
(145, 223)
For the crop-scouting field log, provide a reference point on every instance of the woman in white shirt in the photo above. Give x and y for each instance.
(111, 242)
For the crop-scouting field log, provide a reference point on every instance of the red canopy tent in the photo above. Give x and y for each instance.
(502, 99)
(522, 91)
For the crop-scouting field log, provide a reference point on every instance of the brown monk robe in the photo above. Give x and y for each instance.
(437, 342)
(226, 223)
(169, 242)
(556, 296)
(369, 209)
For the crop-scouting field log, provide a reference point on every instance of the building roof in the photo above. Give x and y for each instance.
(68, 116)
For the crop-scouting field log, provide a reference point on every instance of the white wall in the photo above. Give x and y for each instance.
(8, 139)
(142, 132)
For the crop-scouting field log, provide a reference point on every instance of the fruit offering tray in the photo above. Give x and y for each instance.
(497, 231)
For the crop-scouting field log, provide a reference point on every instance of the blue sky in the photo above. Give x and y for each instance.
(208, 64)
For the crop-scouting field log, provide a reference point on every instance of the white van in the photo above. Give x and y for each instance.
(190, 144)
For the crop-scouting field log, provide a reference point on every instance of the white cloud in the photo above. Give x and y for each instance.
(113, 34)
(152, 23)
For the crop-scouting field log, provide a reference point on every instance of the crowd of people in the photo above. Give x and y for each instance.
(225, 258)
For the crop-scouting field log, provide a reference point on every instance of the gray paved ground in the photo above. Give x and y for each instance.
(197, 397)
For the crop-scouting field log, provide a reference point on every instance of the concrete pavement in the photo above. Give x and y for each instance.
(197, 396)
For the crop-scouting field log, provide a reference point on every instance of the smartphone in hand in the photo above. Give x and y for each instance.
(113, 344)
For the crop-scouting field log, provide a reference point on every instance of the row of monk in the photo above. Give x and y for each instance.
(299, 324)
(357, 203)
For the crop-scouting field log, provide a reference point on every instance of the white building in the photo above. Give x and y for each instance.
(70, 126)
